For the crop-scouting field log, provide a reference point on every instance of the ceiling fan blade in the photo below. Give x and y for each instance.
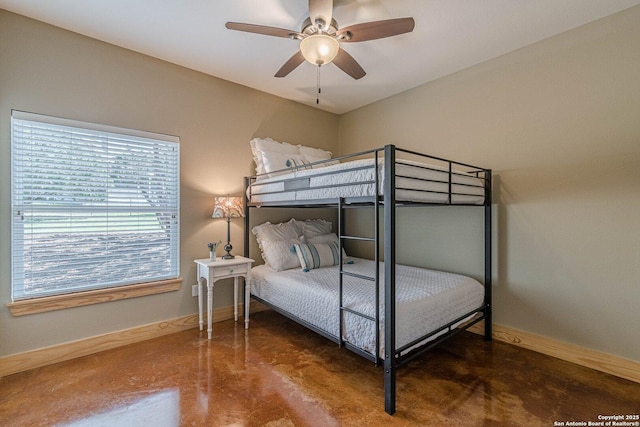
(262, 29)
(346, 63)
(290, 65)
(376, 30)
(321, 9)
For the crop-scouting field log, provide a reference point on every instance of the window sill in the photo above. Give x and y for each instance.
(61, 302)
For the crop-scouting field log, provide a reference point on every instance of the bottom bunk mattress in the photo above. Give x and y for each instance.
(425, 299)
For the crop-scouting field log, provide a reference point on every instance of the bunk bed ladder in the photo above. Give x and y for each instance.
(376, 274)
(388, 197)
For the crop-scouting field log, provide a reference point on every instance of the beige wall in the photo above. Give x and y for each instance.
(559, 123)
(50, 71)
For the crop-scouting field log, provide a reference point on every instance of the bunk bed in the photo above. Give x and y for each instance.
(383, 179)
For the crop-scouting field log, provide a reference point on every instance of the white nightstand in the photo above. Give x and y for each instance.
(212, 271)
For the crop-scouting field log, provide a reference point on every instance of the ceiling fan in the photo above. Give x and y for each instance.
(320, 38)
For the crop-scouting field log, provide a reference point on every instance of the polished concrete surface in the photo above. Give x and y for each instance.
(279, 374)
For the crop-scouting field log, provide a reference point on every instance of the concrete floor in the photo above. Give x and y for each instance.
(279, 374)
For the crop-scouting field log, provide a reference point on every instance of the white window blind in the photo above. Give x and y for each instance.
(93, 206)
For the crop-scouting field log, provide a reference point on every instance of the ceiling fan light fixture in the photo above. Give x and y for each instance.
(319, 49)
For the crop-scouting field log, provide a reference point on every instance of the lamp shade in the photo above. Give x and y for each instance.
(227, 207)
(319, 49)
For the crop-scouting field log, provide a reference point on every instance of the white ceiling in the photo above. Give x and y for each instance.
(450, 35)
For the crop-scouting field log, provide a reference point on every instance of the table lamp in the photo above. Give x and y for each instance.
(228, 207)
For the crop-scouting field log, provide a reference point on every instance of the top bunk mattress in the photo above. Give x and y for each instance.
(415, 182)
(425, 299)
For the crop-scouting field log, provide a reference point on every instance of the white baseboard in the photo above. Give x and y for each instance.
(70, 350)
(12, 364)
(603, 362)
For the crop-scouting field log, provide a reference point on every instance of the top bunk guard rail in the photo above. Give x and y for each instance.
(269, 184)
(440, 159)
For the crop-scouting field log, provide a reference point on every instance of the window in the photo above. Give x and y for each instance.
(93, 206)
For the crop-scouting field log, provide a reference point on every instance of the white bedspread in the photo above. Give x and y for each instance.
(425, 299)
(316, 184)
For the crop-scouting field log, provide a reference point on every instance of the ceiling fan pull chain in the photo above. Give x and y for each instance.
(318, 85)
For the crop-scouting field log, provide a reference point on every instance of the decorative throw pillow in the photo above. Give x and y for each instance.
(297, 163)
(316, 255)
(278, 255)
(276, 161)
(326, 238)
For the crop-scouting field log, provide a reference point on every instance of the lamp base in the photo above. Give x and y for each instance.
(228, 248)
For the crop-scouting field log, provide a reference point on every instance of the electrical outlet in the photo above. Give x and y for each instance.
(194, 290)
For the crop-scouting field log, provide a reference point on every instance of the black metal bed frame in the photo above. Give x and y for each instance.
(394, 357)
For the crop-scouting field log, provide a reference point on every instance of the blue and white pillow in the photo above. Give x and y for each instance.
(297, 163)
(276, 163)
(316, 255)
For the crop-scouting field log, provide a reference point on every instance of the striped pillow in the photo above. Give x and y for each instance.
(316, 255)
(297, 163)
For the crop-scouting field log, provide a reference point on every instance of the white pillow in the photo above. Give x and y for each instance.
(278, 254)
(322, 238)
(282, 231)
(268, 235)
(275, 161)
(314, 154)
(315, 227)
(316, 255)
(267, 144)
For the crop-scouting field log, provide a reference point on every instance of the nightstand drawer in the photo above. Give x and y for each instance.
(228, 271)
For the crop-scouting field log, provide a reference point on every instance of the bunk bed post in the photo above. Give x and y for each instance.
(247, 291)
(341, 269)
(245, 206)
(487, 257)
(376, 252)
(389, 279)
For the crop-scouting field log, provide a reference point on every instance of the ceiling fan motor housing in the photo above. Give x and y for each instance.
(319, 26)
